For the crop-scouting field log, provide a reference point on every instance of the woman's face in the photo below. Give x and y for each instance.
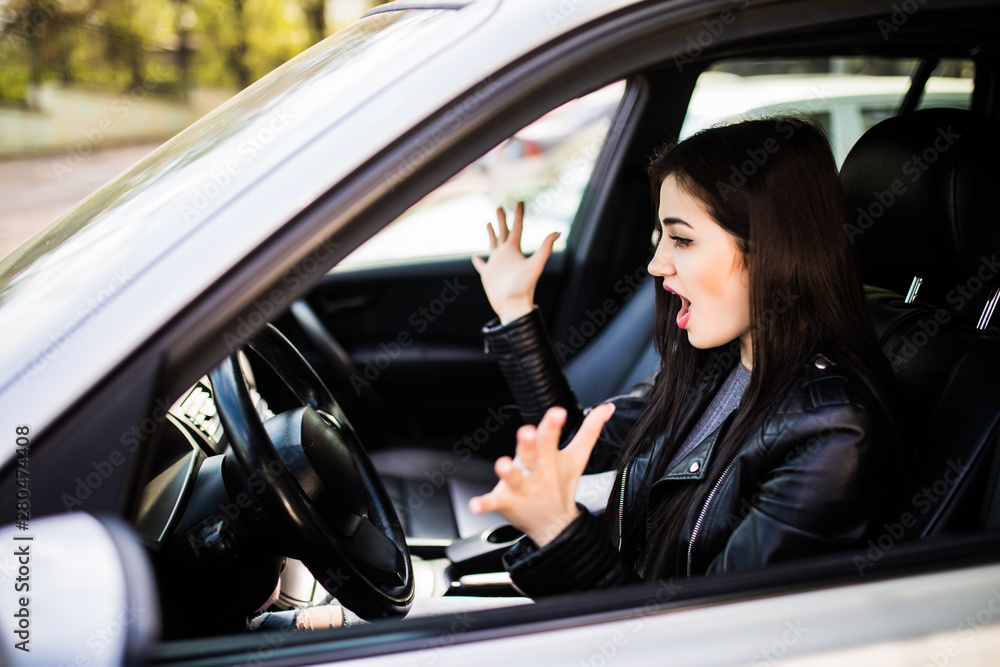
(701, 263)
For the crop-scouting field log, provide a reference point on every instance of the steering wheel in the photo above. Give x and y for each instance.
(311, 475)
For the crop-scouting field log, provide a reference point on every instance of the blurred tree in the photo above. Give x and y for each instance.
(176, 44)
(315, 11)
(236, 54)
(238, 41)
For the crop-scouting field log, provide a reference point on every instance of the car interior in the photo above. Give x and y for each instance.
(396, 349)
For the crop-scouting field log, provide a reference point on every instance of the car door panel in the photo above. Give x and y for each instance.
(412, 335)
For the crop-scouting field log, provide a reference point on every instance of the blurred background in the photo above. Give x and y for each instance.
(88, 87)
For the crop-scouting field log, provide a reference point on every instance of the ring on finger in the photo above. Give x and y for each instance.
(519, 464)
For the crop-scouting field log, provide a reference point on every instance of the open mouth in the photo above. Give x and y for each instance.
(685, 312)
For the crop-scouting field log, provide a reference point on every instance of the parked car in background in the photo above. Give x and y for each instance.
(548, 163)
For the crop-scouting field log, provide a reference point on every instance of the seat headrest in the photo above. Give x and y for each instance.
(923, 199)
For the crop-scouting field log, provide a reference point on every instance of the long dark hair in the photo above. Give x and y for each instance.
(773, 185)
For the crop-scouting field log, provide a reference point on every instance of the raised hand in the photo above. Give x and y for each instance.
(537, 489)
(509, 278)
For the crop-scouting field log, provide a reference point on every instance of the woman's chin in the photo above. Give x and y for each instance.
(696, 341)
(702, 342)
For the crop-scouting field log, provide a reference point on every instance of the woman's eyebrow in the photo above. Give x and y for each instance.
(675, 221)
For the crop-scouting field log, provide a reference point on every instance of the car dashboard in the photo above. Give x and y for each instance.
(189, 467)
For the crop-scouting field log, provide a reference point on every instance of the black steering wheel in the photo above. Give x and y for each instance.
(313, 478)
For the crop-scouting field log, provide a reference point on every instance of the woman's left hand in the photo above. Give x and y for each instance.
(537, 491)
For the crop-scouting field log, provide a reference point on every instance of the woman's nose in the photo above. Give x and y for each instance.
(661, 264)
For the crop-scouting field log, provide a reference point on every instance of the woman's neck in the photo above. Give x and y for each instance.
(746, 351)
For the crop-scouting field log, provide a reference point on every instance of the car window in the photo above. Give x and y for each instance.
(546, 164)
(845, 95)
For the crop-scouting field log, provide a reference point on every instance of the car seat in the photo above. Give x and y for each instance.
(926, 222)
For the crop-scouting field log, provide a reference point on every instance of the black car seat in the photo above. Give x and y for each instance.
(926, 222)
(617, 357)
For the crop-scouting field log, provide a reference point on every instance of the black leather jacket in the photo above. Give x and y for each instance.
(807, 481)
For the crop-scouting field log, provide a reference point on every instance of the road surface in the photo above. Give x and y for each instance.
(34, 193)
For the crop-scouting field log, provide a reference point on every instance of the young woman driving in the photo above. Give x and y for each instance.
(766, 433)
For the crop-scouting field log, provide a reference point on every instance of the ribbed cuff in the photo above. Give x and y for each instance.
(499, 338)
(580, 558)
(528, 361)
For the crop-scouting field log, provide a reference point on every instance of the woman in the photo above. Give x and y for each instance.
(725, 461)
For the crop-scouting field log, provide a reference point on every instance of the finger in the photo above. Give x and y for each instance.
(582, 444)
(549, 432)
(479, 263)
(502, 224)
(509, 473)
(493, 236)
(526, 449)
(540, 256)
(515, 229)
(484, 503)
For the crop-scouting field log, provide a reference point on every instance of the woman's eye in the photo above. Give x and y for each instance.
(680, 241)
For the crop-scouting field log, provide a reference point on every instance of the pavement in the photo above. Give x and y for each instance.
(34, 193)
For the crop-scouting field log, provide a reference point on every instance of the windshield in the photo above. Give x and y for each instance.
(60, 278)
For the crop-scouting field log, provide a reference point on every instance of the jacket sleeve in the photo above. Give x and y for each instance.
(529, 364)
(822, 481)
(580, 558)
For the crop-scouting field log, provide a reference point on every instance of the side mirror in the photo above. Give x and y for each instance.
(78, 591)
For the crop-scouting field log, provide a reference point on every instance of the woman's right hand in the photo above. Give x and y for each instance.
(509, 278)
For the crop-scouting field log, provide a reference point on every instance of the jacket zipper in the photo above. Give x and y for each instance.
(621, 508)
(704, 510)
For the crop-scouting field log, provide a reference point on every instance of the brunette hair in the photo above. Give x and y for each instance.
(773, 185)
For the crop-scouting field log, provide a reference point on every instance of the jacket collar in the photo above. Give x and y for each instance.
(694, 465)
(698, 399)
